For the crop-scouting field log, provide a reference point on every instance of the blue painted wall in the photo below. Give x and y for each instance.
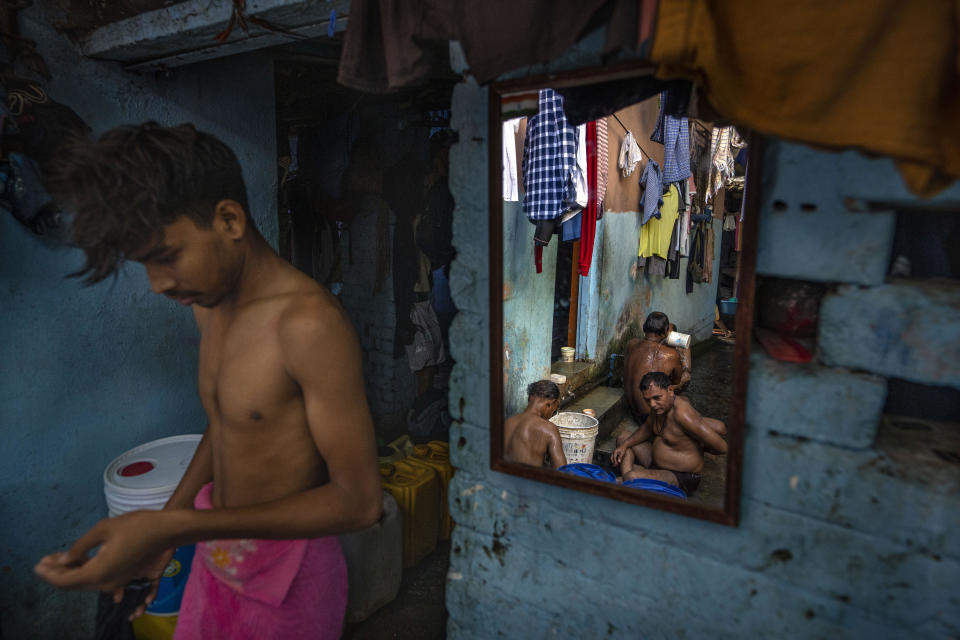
(626, 300)
(838, 538)
(87, 373)
(527, 308)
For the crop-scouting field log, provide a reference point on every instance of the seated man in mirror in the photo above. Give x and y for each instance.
(651, 354)
(529, 437)
(669, 445)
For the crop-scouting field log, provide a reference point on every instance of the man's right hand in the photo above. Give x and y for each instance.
(617, 456)
(153, 571)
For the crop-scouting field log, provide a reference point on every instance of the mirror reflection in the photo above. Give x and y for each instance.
(622, 244)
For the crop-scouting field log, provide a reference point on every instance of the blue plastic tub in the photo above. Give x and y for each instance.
(728, 307)
(592, 471)
(655, 486)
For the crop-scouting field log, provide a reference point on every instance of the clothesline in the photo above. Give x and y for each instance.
(630, 132)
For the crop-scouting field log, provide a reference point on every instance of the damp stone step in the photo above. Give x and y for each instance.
(577, 374)
(608, 404)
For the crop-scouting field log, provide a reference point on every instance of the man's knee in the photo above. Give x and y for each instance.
(643, 453)
(623, 437)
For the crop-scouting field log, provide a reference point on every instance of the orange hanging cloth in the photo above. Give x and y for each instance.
(882, 76)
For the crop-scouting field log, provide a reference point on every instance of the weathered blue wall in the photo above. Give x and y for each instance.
(836, 539)
(626, 300)
(87, 373)
(527, 308)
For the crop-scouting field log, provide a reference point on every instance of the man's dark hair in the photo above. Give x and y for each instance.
(657, 323)
(543, 389)
(125, 187)
(656, 379)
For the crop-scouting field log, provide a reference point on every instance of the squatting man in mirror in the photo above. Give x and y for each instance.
(679, 437)
(529, 437)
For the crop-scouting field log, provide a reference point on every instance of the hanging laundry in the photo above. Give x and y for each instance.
(676, 150)
(581, 191)
(683, 235)
(594, 101)
(901, 100)
(721, 160)
(570, 227)
(655, 234)
(589, 216)
(511, 192)
(603, 160)
(630, 155)
(549, 160)
(652, 191)
(708, 251)
(657, 266)
(700, 141)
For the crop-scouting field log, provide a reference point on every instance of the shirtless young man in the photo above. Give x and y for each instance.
(650, 354)
(288, 460)
(679, 436)
(530, 436)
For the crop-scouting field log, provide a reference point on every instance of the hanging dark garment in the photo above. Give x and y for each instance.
(673, 255)
(582, 104)
(435, 230)
(695, 263)
(403, 191)
(391, 44)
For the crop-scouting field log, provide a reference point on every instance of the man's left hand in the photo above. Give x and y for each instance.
(127, 543)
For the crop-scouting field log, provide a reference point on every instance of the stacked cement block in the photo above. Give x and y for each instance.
(835, 540)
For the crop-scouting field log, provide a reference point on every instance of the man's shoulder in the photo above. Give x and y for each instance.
(683, 410)
(308, 315)
(544, 426)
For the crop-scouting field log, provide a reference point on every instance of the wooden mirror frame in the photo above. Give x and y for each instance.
(736, 425)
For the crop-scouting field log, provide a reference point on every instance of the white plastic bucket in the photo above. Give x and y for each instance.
(578, 434)
(567, 354)
(146, 476)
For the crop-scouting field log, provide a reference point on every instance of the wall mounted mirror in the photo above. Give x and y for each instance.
(622, 236)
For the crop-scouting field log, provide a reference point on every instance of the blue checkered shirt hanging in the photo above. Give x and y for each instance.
(549, 160)
(676, 149)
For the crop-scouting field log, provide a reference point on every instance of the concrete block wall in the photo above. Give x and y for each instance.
(836, 539)
(390, 385)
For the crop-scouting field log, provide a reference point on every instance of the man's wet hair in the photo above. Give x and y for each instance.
(122, 189)
(657, 323)
(656, 379)
(543, 389)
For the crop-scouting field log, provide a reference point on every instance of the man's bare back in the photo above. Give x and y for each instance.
(529, 437)
(644, 356)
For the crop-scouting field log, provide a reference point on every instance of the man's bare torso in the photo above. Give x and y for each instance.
(644, 356)
(527, 439)
(261, 442)
(673, 449)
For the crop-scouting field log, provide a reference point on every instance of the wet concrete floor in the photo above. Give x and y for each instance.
(418, 612)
